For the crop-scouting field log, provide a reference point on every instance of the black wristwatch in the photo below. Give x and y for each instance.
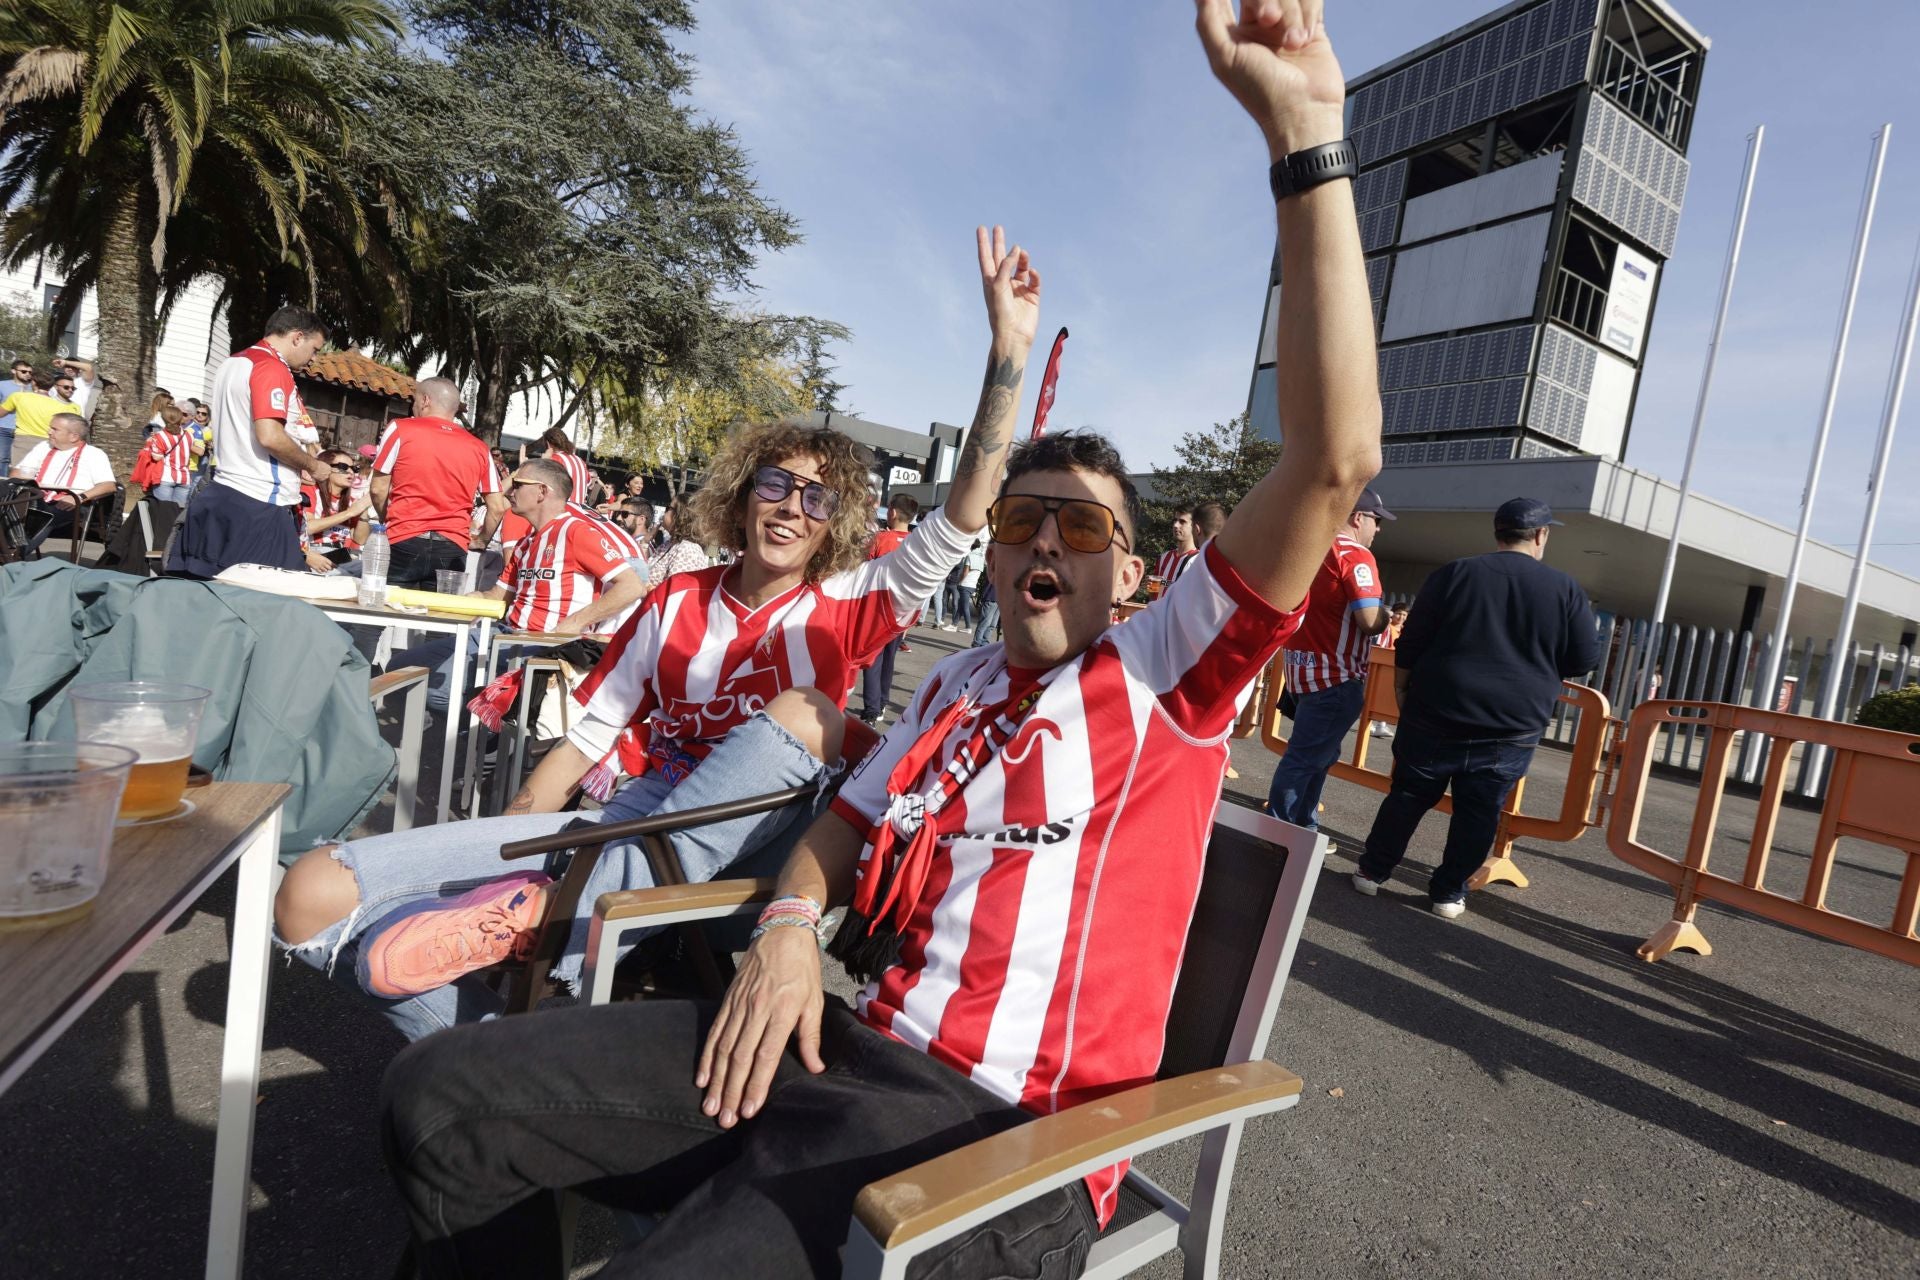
(1297, 171)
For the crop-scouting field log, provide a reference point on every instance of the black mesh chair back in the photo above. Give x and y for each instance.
(1223, 945)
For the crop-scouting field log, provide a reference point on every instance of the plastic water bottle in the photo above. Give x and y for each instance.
(373, 569)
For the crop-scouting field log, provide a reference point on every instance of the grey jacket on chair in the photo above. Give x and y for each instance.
(273, 717)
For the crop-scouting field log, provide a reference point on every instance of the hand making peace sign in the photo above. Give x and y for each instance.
(1012, 288)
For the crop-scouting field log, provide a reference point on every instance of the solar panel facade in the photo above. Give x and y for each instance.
(1465, 375)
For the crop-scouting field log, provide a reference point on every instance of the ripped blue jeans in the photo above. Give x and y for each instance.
(445, 861)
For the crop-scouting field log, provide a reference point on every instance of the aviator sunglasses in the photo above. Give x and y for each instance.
(1085, 526)
(772, 484)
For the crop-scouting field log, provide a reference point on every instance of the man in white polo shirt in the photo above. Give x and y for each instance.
(1022, 852)
(69, 472)
(250, 513)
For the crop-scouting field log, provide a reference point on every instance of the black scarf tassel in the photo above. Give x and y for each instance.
(865, 948)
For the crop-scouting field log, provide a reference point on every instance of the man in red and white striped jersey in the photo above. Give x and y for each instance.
(1022, 851)
(1327, 663)
(1168, 566)
(571, 573)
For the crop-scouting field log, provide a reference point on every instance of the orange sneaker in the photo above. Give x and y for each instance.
(431, 943)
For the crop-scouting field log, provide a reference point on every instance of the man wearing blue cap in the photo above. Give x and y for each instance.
(1327, 662)
(1478, 669)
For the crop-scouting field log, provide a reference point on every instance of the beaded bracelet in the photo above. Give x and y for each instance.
(796, 911)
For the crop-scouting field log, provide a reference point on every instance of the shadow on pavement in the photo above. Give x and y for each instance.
(1719, 1040)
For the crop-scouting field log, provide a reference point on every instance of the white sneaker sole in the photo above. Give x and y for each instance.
(1450, 910)
(1369, 887)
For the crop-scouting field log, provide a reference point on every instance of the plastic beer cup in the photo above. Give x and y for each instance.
(57, 804)
(159, 722)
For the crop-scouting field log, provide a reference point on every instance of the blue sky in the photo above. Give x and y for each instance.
(1095, 133)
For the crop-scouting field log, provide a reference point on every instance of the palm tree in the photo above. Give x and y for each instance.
(116, 119)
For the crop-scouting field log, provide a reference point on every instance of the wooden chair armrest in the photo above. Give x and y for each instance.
(609, 832)
(989, 1176)
(394, 681)
(709, 900)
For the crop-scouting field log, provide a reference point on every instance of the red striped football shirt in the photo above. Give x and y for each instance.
(576, 470)
(561, 568)
(174, 453)
(1329, 649)
(1041, 955)
(694, 661)
(1168, 567)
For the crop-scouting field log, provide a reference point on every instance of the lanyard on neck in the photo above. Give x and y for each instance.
(72, 468)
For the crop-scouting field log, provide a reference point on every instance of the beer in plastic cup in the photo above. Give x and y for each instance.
(57, 805)
(160, 722)
(450, 582)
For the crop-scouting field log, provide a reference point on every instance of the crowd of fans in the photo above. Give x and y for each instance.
(1084, 751)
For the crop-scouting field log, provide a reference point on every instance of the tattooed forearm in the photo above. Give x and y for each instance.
(993, 424)
(522, 801)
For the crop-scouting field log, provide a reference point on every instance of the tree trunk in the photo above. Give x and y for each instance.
(129, 292)
(492, 394)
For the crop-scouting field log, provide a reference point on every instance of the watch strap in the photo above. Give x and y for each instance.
(1298, 171)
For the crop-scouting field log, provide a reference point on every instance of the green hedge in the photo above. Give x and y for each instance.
(1897, 711)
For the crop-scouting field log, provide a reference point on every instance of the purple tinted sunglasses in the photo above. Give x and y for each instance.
(772, 484)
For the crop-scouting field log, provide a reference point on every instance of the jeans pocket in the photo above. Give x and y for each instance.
(1044, 1239)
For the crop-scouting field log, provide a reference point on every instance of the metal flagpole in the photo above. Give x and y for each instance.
(1766, 690)
(1754, 140)
(1876, 482)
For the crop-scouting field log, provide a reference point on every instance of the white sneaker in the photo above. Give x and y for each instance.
(1364, 885)
(1450, 910)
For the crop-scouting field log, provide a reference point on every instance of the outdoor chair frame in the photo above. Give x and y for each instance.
(1259, 877)
(107, 505)
(587, 840)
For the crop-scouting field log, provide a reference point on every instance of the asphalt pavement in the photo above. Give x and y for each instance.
(1517, 1093)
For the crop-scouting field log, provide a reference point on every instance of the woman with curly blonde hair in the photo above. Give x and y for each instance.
(718, 512)
(727, 682)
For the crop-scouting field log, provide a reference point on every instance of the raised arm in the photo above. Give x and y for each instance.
(1012, 289)
(1278, 64)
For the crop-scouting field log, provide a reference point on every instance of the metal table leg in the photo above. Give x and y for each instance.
(240, 1052)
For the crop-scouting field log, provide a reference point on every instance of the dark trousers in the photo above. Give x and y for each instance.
(959, 605)
(481, 1121)
(415, 561)
(1424, 764)
(877, 681)
(1320, 723)
(44, 520)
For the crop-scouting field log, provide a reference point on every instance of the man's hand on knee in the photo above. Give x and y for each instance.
(775, 995)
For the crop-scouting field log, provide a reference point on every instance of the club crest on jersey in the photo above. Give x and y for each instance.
(740, 696)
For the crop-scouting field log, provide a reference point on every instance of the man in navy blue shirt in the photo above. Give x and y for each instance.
(1478, 669)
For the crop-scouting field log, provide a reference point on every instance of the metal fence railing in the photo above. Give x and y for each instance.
(1704, 664)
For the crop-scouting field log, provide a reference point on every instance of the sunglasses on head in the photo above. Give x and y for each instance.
(773, 484)
(1085, 526)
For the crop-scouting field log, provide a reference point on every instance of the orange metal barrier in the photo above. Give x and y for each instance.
(1870, 796)
(1583, 769)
